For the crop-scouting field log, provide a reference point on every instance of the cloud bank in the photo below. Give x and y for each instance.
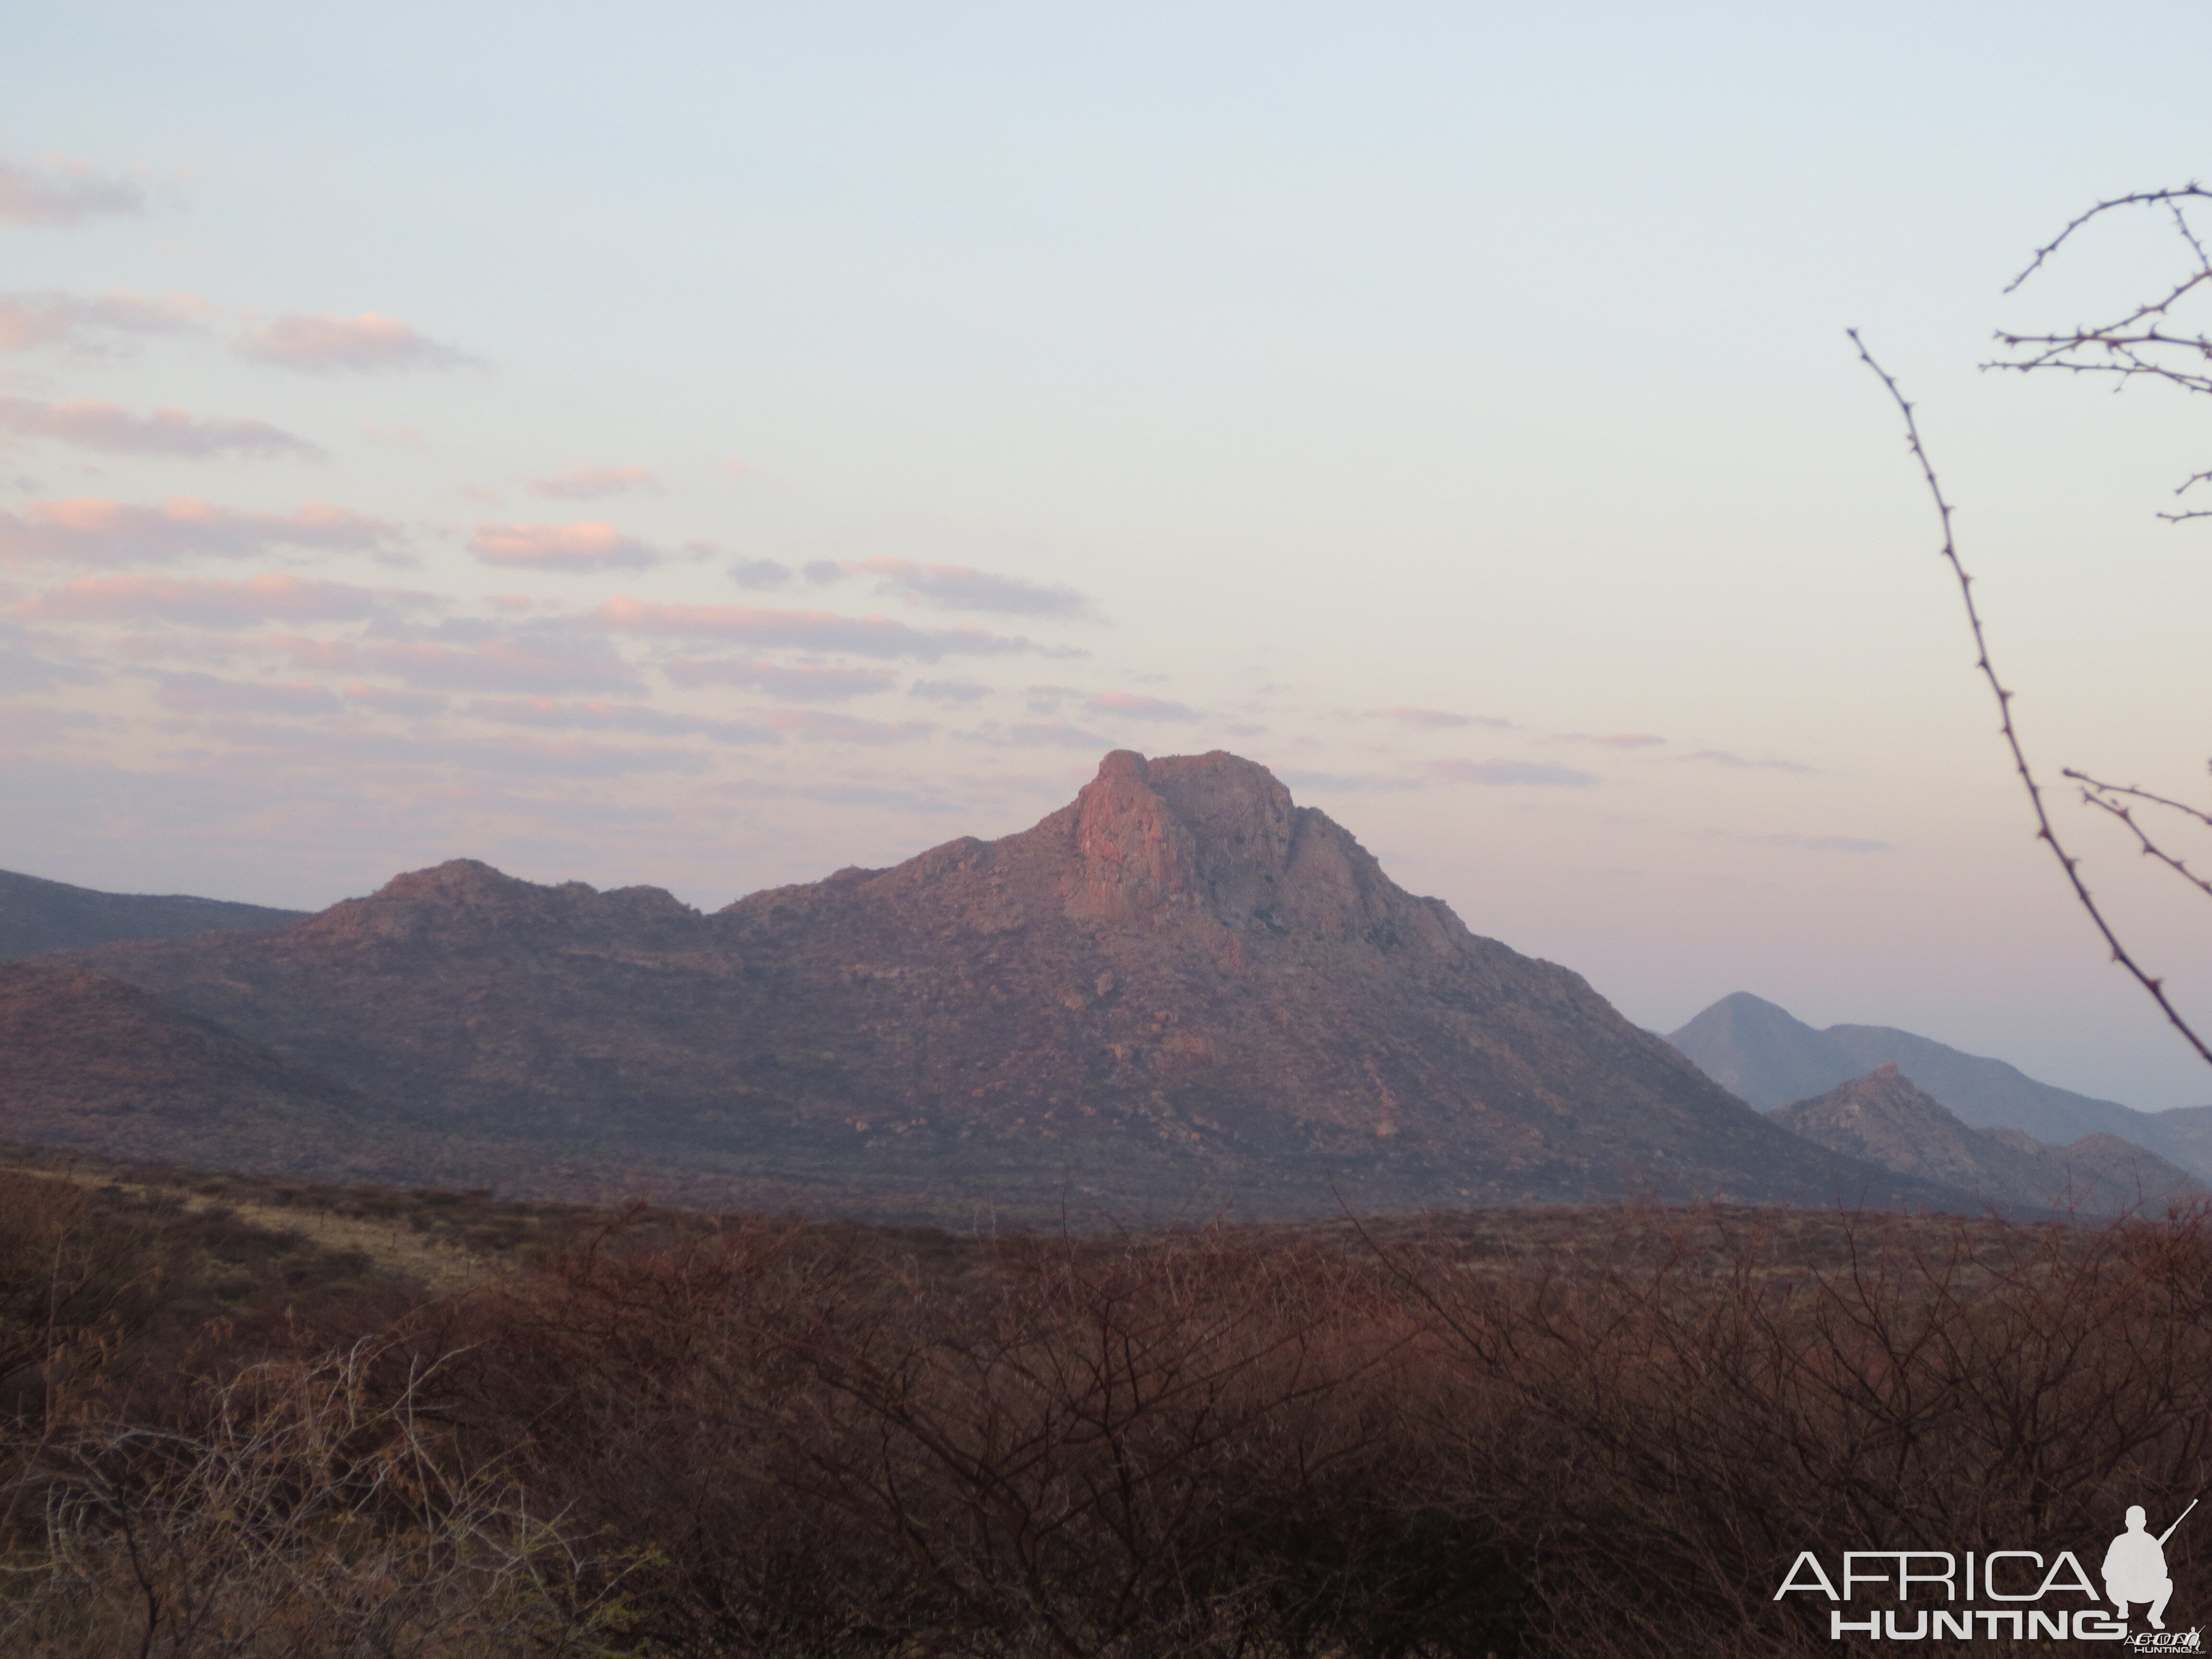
(959, 587)
(1511, 772)
(54, 193)
(589, 482)
(585, 545)
(369, 343)
(114, 430)
(219, 605)
(28, 321)
(90, 530)
(808, 630)
(804, 683)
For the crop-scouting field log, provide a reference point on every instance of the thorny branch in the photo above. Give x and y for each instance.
(2114, 799)
(2142, 343)
(2044, 832)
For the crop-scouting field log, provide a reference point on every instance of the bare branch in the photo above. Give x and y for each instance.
(2134, 346)
(2113, 798)
(2044, 832)
(2139, 199)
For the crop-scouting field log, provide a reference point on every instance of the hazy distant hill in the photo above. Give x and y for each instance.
(1181, 988)
(1885, 1120)
(37, 915)
(1770, 1059)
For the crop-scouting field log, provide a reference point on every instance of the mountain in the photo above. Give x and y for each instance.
(37, 916)
(1761, 1053)
(1769, 1058)
(89, 1062)
(2102, 1172)
(1181, 989)
(1885, 1120)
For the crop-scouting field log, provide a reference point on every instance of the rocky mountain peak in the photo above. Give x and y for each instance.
(457, 881)
(1217, 837)
(465, 898)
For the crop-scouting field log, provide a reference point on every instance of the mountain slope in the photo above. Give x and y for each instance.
(37, 915)
(1884, 1119)
(89, 1062)
(2102, 1173)
(1761, 1053)
(1770, 1058)
(1180, 989)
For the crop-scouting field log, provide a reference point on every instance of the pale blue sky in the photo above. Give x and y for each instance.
(1481, 362)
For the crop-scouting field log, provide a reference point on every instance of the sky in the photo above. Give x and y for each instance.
(711, 445)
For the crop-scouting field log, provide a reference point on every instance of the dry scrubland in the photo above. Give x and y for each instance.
(249, 1418)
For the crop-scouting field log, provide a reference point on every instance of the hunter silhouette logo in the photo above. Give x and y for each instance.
(2029, 1592)
(2135, 1565)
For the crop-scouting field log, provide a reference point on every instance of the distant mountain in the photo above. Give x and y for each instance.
(1760, 1053)
(1180, 990)
(1769, 1058)
(1884, 1119)
(1887, 1122)
(37, 915)
(2104, 1172)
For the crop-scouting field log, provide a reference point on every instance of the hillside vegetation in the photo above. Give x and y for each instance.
(659, 1434)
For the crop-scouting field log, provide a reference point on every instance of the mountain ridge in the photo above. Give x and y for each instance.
(1770, 1058)
(1886, 1119)
(37, 915)
(1181, 983)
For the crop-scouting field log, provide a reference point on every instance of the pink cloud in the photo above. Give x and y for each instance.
(1344, 782)
(88, 530)
(1824, 843)
(814, 725)
(1129, 706)
(808, 630)
(801, 684)
(490, 665)
(759, 572)
(924, 800)
(346, 748)
(1509, 772)
(959, 587)
(25, 725)
(954, 691)
(362, 344)
(1619, 740)
(23, 669)
(587, 483)
(598, 716)
(55, 191)
(1052, 734)
(386, 700)
(29, 320)
(217, 604)
(585, 545)
(110, 427)
(1721, 757)
(1436, 718)
(205, 694)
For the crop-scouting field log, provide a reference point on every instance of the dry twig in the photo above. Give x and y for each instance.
(2045, 831)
